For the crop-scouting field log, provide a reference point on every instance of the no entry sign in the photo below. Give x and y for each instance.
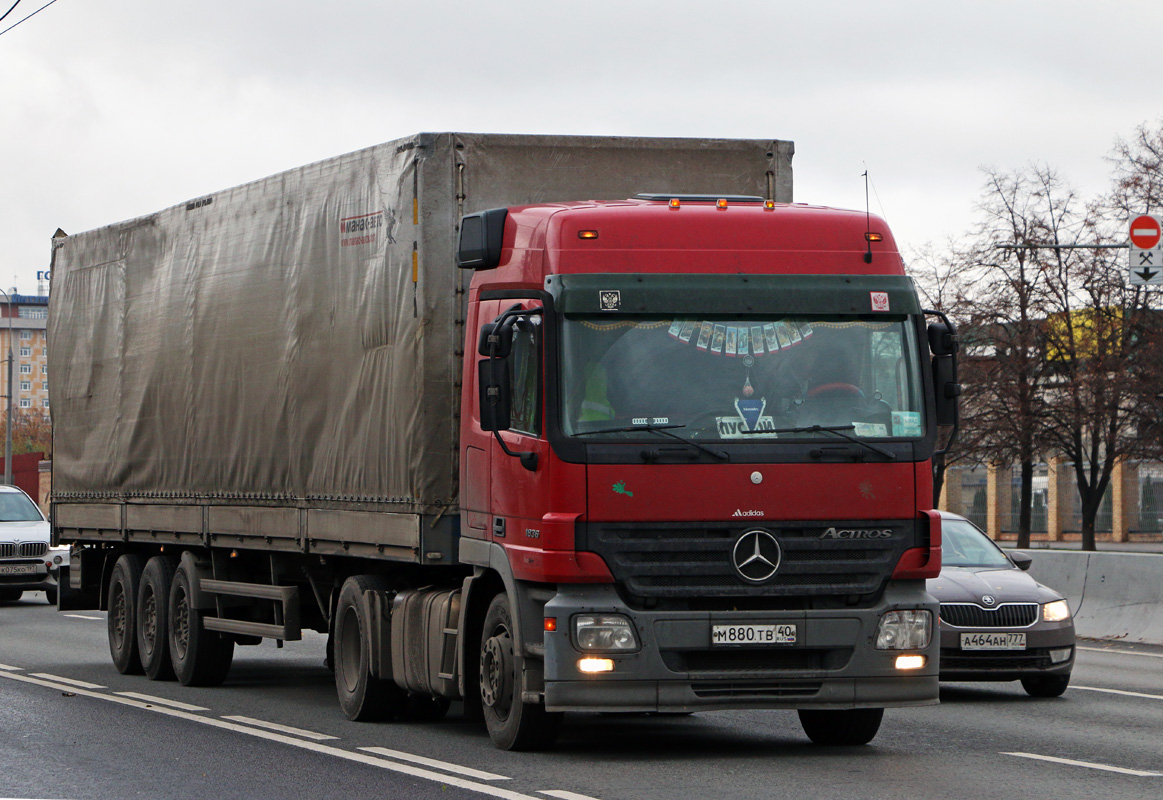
(1145, 232)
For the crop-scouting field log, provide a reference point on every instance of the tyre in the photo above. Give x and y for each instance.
(362, 697)
(1046, 685)
(50, 594)
(199, 657)
(153, 629)
(844, 728)
(10, 595)
(513, 723)
(122, 605)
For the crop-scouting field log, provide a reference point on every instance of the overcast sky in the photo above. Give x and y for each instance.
(110, 109)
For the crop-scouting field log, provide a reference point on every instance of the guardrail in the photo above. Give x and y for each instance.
(1112, 595)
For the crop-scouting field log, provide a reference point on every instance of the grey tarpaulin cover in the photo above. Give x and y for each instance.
(268, 342)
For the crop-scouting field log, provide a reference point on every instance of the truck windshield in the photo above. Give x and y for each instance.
(742, 379)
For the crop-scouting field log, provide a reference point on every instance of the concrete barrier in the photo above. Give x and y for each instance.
(1112, 595)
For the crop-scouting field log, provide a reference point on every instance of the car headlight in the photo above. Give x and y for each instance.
(904, 630)
(1056, 611)
(604, 633)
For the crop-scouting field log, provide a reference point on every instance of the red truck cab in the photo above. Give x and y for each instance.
(696, 452)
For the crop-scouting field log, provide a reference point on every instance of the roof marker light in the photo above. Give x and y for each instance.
(587, 234)
(721, 203)
(674, 202)
(872, 236)
(769, 205)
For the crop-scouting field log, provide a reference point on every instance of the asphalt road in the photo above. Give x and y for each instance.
(71, 727)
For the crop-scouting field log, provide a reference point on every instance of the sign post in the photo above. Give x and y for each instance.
(1146, 250)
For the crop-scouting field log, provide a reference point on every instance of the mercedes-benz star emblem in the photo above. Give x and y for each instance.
(988, 599)
(756, 556)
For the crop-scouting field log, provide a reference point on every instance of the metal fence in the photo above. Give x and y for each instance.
(1150, 498)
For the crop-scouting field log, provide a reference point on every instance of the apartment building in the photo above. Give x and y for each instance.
(23, 328)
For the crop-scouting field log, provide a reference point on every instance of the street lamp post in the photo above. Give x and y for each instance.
(8, 421)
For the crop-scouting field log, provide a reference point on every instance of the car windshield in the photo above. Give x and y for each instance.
(742, 378)
(963, 545)
(18, 508)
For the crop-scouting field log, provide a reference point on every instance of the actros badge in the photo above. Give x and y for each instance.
(756, 556)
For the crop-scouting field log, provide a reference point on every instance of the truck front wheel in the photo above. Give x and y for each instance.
(513, 723)
(121, 621)
(200, 657)
(844, 728)
(362, 696)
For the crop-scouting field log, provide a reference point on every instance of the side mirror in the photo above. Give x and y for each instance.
(943, 345)
(496, 339)
(495, 394)
(1021, 560)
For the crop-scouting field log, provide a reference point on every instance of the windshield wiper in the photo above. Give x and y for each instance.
(836, 429)
(665, 431)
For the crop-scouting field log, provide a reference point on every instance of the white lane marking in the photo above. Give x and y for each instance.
(1121, 652)
(8, 668)
(69, 681)
(1119, 691)
(80, 616)
(382, 763)
(274, 726)
(432, 762)
(1088, 765)
(564, 795)
(149, 698)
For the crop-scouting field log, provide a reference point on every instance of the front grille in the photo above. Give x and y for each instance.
(685, 561)
(756, 690)
(1007, 615)
(23, 550)
(756, 660)
(993, 661)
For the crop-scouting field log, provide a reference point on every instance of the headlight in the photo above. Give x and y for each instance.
(604, 633)
(904, 630)
(1056, 611)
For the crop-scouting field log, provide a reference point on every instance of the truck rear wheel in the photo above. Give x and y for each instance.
(153, 628)
(513, 723)
(362, 696)
(844, 728)
(123, 589)
(200, 657)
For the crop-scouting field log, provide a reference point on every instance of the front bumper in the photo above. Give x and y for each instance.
(1007, 665)
(832, 665)
(38, 580)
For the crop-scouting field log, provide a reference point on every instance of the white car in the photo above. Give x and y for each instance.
(27, 561)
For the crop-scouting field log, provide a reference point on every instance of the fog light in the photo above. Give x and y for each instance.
(910, 662)
(904, 630)
(1060, 655)
(592, 665)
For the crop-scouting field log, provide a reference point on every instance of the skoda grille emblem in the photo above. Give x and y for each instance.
(756, 556)
(988, 599)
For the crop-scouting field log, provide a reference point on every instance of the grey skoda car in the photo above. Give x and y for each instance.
(997, 623)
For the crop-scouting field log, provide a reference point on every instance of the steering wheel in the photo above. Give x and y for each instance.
(835, 389)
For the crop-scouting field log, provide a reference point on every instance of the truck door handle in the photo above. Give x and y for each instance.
(499, 527)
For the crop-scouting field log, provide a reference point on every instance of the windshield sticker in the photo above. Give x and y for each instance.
(770, 337)
(879, 301)
(704, 336)
(806, 329)
(796, 336)
(717, 339)
(737, 428)
(757, 340)
(870, 429)
(688, 330)
(906, 423)
(732, 335)
(675, 328)
(620, 488)
(784, 336)
(609, 300)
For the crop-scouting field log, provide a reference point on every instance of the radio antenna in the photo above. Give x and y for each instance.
(867, 220)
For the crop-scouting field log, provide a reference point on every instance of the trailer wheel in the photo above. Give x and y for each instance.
(153, 628)
(200, 657)
(843, 728)
(123, 589)
(362, 696)
(513, 723)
